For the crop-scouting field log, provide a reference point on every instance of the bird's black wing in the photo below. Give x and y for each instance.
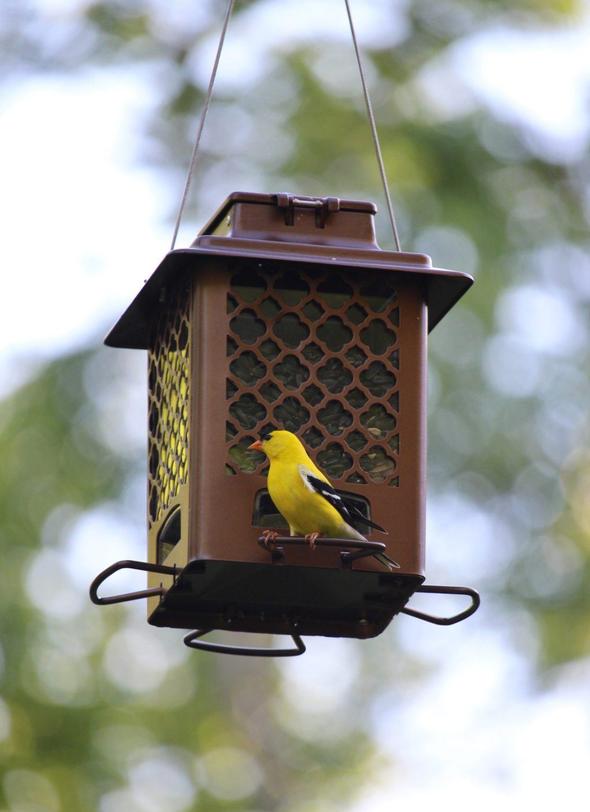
(345, 507)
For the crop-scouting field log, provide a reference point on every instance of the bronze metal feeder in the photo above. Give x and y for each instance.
(284, 313)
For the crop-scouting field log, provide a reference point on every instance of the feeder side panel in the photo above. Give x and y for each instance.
(323, 349)
(169, 394)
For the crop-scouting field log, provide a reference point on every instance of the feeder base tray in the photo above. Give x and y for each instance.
(283, 599)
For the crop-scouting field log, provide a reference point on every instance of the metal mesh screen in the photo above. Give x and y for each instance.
(168, 404)
(316, 353)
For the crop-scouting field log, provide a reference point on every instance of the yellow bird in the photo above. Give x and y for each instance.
(304, 496)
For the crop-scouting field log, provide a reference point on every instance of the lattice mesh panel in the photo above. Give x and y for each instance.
(316, 353)
(168, 405)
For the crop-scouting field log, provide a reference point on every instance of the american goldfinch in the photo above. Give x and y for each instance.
(305, 497)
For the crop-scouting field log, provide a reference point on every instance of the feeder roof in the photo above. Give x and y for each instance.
(291, 229)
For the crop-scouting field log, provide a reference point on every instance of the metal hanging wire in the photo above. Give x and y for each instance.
(370, 115)
(374, 133)
(193, 161)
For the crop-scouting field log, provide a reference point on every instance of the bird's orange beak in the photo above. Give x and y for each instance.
(256, 446)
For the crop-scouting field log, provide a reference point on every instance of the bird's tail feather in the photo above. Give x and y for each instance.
(387, 561)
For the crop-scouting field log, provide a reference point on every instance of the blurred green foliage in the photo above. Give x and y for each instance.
(100, 712)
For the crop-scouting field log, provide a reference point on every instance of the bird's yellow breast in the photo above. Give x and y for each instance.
(305, 511)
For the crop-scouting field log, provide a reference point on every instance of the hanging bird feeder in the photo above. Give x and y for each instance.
(284, 314)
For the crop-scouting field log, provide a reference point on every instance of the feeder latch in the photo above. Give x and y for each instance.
(323, 206)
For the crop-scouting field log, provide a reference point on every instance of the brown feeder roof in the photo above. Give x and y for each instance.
(293, 229)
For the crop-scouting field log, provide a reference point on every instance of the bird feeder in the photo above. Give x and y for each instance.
(284, 313)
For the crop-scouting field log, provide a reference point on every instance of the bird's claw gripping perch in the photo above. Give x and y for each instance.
(268, 539)
(311, 539)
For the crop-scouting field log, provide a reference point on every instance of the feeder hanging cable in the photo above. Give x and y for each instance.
(193, 161)
(205, 110)
(374, 133)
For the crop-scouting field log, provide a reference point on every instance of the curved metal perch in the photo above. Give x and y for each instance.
(446, 590)
(361, 548)
(191, 641)
(128, 596)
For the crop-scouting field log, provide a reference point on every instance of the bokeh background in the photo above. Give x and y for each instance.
(484, 118)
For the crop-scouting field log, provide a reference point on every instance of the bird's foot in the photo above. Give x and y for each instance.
(269, 539)
(311, 539)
